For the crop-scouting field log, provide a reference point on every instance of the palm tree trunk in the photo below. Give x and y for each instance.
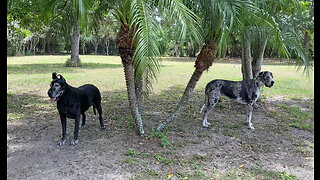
(139, 91)
(258, 57)
(203, 62)
(126, 49)
(75, 46)
(246, 67)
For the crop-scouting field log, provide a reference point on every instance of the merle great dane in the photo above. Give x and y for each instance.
(73, 102)
(245, 92)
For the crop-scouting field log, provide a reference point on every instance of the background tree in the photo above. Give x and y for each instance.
(270, 23)
(75, 15)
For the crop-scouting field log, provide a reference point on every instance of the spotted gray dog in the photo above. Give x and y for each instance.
(244, 92)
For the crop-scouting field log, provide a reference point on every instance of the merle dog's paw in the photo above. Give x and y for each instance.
(61, 142)
(103, 127)
(74, 142)
(251, 127)
(83, 126)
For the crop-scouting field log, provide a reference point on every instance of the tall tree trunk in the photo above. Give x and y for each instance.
(83, 48)
(44, 45)
(126, 49)
(48, 45)
(257, 59)
(107, 42)
(306, 40)
(246, 67)
(139, 92)
(95, 44)
(75, 60)
(203, 62)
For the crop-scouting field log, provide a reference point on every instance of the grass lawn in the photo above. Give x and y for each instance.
(33, 73)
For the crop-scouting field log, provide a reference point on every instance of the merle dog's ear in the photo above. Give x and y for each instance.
(261, 73)
(54, 75)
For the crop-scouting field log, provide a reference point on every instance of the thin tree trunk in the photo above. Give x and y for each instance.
(44, 45)
(246, 67)
(126, 50)
(203, 62)
(139, 91)
(83, 48)
(257, 59)
(75, 46)
(306, 40)
(107, 42)
(95, 44)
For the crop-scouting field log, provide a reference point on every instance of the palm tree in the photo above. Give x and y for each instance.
(137, 40)
(217, 18)
(270, 24)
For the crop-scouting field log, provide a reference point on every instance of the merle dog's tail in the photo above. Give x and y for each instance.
(94, 110)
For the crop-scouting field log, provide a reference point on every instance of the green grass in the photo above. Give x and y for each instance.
(293, 116)
(33, 73)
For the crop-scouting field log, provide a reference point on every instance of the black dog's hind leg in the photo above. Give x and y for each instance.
(94, 110)
(76, 130)
(100, 116)
(64, 129)
(83, 125)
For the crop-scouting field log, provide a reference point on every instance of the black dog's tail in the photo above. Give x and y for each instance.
(94, 110)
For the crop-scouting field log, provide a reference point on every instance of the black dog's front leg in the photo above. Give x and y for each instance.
(64, 129)
(76, 130)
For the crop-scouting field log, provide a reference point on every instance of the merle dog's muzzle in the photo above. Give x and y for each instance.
(271, 84)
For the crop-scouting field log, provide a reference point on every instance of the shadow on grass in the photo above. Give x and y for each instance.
(43, 68)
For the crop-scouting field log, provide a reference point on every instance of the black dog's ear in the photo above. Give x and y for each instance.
(54, 75)
(61, 78)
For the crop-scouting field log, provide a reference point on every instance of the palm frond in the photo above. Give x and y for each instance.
(187, 19)
(146, 58)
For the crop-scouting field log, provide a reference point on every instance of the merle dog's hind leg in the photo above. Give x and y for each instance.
(100, 116)
(64, 128)
(83, 125)
(249, 109)
(210, 105)
(76, 130)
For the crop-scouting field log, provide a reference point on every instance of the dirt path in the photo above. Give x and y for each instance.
(227, 149)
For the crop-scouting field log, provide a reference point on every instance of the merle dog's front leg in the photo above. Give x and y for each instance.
(249, 109)
(76, 130)
(64, 129)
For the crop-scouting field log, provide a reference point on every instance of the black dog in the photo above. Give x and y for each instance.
(73, 102)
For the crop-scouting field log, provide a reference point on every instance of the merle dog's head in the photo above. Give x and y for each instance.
(267, 78)
(57, 87)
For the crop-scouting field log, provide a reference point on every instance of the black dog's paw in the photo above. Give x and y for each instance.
(61, 142)
(73, 142)
(83, 126)
(103, 127)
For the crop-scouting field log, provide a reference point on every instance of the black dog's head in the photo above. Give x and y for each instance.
(57, 87)
(267, 78)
